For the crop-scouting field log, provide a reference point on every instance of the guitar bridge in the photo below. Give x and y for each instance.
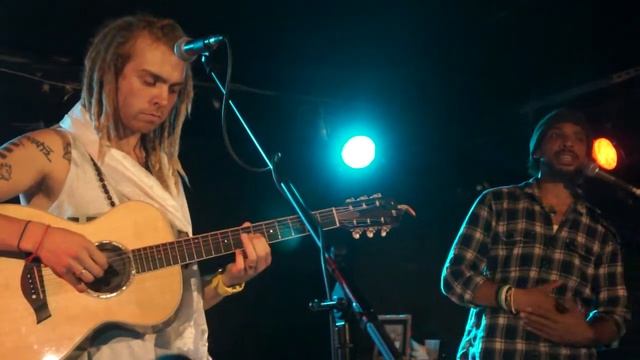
(33, 290)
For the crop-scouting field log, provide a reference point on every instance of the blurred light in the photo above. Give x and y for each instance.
(605, 154)
(358, 152)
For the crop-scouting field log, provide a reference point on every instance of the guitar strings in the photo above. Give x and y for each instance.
(53, 287)
(191, 243)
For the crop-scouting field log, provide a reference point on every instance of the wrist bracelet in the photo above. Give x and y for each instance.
(498, 292)
(35, 254)
(223, 289)
(512, 296)
(503, 297)
(24, 229)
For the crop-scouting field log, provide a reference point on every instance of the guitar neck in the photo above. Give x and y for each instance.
(217, 243)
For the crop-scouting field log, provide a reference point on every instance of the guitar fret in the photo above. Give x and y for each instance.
(281, 235)
(133, 261)
(297, 229)
(147, 251)
(149, 259)
(170, 251)
(146, 258)
(187, 247)
(293, 232)
(193, 248)
(209, 247)
(199, 248)
(278, 230)
(136, 263)
(143, 266)
(186, 252)
(268, 233)
(182, 255)
(177, 244)
(141, 260)
(226, 243)
(287, 230)
(155, 254)
(164, 258)
(236, 243)
(176, 252)
(221, 251)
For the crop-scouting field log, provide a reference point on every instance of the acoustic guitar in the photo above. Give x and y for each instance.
(43, 317)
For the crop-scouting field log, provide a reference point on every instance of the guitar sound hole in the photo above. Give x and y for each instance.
(117, 274)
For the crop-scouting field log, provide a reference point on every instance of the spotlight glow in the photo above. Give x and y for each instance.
(605, 154)
(359, 152)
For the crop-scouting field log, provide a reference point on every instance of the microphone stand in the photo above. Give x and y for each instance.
(367, 319)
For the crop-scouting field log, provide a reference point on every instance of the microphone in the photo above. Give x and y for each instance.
(592, 170)
(188, 49)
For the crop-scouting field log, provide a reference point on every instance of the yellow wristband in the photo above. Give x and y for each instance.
(222, 289)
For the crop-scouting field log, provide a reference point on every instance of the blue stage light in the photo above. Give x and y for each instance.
(358, 152)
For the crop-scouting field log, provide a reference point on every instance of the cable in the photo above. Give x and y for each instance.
(42, 80)
(223, 111)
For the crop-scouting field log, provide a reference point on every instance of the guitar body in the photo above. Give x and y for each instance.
(148, 299)
(43, 317)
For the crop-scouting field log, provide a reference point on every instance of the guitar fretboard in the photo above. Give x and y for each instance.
(200, 247)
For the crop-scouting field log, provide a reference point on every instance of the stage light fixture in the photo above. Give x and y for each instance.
(358, 152)
(604, 153)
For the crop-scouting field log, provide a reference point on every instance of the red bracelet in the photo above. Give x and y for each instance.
(35, 252)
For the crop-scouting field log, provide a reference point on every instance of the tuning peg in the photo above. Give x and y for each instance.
(350, 200)
(363, 197)
(370, 232)
(376, 196)
(356, 233)
(384, 230)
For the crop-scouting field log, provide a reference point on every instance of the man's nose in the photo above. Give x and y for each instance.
(161, 96)
(568, 141)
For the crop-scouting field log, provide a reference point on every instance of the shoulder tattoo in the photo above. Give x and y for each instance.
(5, 171)
(67, 152)
(41, 146)
(8, 148)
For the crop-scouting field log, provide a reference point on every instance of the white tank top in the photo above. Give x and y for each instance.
(81, 199)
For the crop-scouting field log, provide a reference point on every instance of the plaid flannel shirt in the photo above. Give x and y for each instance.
(508, 238)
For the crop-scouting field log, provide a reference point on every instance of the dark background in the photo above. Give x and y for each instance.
(449, 90)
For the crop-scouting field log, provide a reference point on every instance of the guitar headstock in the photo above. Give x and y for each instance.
(371, 214)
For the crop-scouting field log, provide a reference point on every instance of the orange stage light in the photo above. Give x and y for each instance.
(604, 153)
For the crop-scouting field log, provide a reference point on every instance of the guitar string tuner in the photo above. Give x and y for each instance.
(370, 232)
(384, 230)
(356, 233)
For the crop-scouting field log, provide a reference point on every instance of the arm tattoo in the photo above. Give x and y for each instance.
(41, 146)
(8, 148)
(67, 152)
(5, 171)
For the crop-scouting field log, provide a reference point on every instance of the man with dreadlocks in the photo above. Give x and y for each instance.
(119, 143)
